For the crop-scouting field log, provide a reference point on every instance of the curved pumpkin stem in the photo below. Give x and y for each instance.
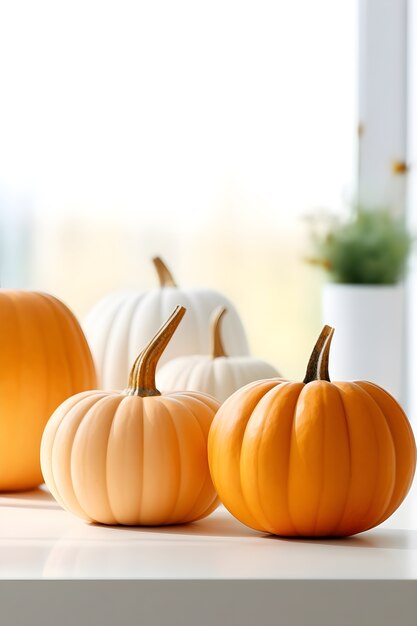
(142, 375)
(165, 277)
(318, 365)
(217, 348)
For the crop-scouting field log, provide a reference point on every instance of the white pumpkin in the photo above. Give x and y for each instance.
(216, 374)
(121, 323)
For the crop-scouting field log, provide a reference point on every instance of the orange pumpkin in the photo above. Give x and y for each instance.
(133, 457)
(313, 458)
(44, 358)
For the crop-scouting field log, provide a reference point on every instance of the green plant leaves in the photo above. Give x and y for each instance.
(371, 248)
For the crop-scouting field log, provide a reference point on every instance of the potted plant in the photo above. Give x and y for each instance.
(365, 257)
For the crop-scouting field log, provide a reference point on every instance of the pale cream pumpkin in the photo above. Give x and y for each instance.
(122, 322)
(217, 374)
(133, 457)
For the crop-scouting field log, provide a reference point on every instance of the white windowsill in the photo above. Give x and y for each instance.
(55, 569)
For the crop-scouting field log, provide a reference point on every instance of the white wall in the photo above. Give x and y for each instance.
(382, 102)
(412, 208)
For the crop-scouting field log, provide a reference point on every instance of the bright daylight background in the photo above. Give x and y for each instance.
(200, 131)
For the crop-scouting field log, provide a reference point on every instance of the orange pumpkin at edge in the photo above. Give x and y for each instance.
(44, 359)
(315, 458)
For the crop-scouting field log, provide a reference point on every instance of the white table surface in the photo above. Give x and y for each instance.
(57, 570)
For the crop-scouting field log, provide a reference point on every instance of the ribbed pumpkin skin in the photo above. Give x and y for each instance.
(118, 459)
(219, 377)
(44, 359)
(316, 459)
(121, 323)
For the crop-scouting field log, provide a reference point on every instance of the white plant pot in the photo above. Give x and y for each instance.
(368, 342)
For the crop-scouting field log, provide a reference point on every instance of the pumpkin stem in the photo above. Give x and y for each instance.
(142, 374)
(318, 365)
(217, 348)
(165, 277)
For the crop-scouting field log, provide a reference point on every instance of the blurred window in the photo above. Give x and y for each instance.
(200, 131)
